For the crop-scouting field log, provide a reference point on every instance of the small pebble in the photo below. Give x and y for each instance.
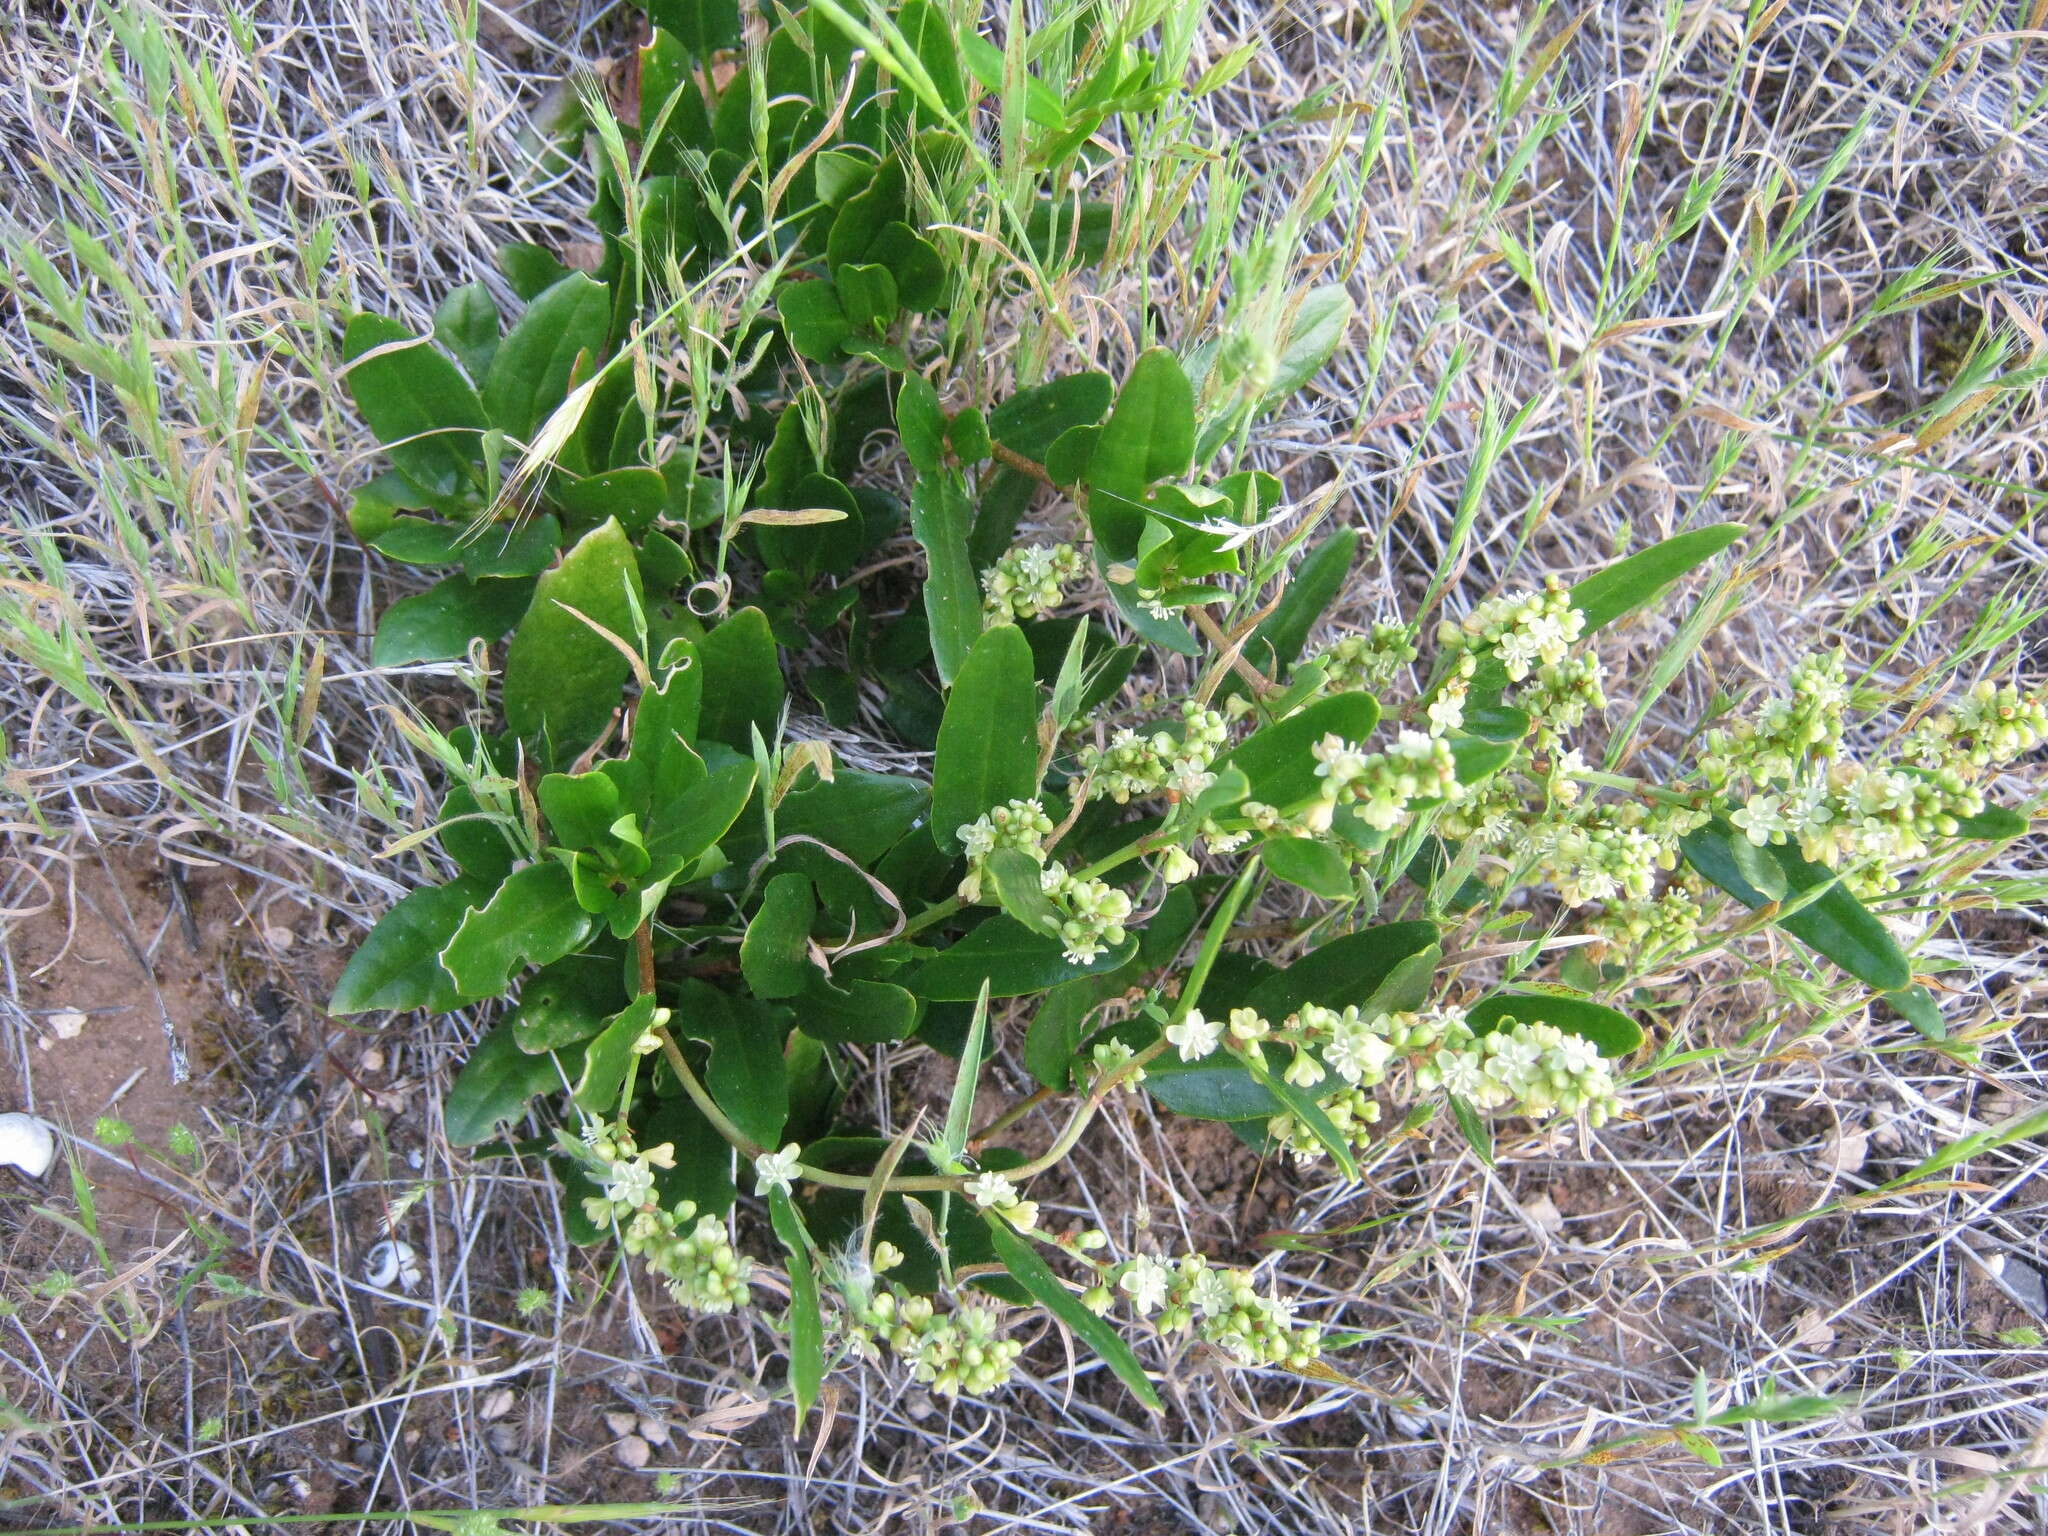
(654, 1431)
(495, 1405)
(620, 1423)
(632, 1453)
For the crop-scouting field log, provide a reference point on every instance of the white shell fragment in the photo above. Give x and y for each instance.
(27, 1143)
(392, 1264)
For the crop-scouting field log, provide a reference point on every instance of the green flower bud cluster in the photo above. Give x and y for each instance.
(1604, 850)
(1093, 912)
(705, 1273)
(1383, 785)
(951, 1352)
(1028, 581)
(1135, 766)
(1523, 629)
(1785, 734)
(1369, 661)
(1223, 1306)
(1667, 921)
(1362, 1053)
(1537, 1069)
(1019, 824)
(1989, 727)
(1561, 694)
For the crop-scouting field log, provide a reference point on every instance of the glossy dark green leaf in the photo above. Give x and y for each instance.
(398, 967)
(1614, 1032)
(1278, 761)
(535, 365)
(664, 726)
(531, 269)
(703, 27)
(968, 433)
(1834, 924)
(746, 1075)
(743, 688)
(1218, 1087)
(1032, 1272)
(858, 1012)
(479, 845)
(1030, 421)
(466, 323)
(635, 496)
(806, 1314)
(915, 264)
(939, 516)
(1018, 886)
(814, 318)
(562, 678)
(1011, 958)
(608, 1056)
(580, 808)
(775, 954)
(1630, 584)
(1347, 971)
(495, 1085)
(686, 828)
(867, 295)
(920, 424)
(988, 741)
(1151, 434)
(440, 623)
(568, 1002)
(1994, 824)
(532, 919)
(416, 400)
(1314, 865)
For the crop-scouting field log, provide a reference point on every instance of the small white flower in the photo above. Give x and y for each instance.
(776, 1170)
(1195, 1036)
(991, 1190)
(886, 1256)
(1145, 1283)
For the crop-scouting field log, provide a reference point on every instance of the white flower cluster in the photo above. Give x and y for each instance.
(1382, 786)
(1537, 1069)
(1223, 1306)
(1091, 912)
(1094, 912)
(693, 1253)
(1134, 766)
(1524, 629)
(1561, 694)
(1368, 661)
(1785, 768)
(993, 1192)
(1028, 581)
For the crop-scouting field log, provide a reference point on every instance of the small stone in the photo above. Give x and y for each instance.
(496, 1405)
(621, 1423)
(1811, 1330)
(1543, 1213)
(503, 1439)
(654, 1431)
(66, 1023)
(632, 1453)
(280, 938)
(373, 1060)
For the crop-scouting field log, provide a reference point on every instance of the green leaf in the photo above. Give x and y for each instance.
(920, 424)
(1015, 875)
(532, 919)
(1477, 1133)
(968, 433)
(416, 400)
(747, 1076)
(440, 623)
(1068, 456)
(806, 1313)
(1918, 1007)
(683, 830)
(860, 1012)
(664, 725)
(1013, 961)
(1353, 970)
(939, 516)
(566, 1003)
(1032, 420)
(952, 1145)
(580, 808)
(988, 740)
(1637, 581)
(635, 496)
(1314, 334)
(867, 295)
(536, 363)
(562, 678)
(1277, 761)
(775, 954)
(1305, 1109)
(531, 269)
(494, 1085)
(1035, 1276)
(814, 318)
(1614, 1032)
(1218, 1087)
(398, 967)
(743, 688)
(1042, 105)
(1994, 824)
(608, 1056)
(466, 323)
(1834, 924)
(915, 264)
(1150, 435)
(1310, 863)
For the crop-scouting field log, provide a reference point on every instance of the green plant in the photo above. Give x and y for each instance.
(700, 919)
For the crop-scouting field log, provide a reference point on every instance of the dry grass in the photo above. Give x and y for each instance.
(188, 691)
